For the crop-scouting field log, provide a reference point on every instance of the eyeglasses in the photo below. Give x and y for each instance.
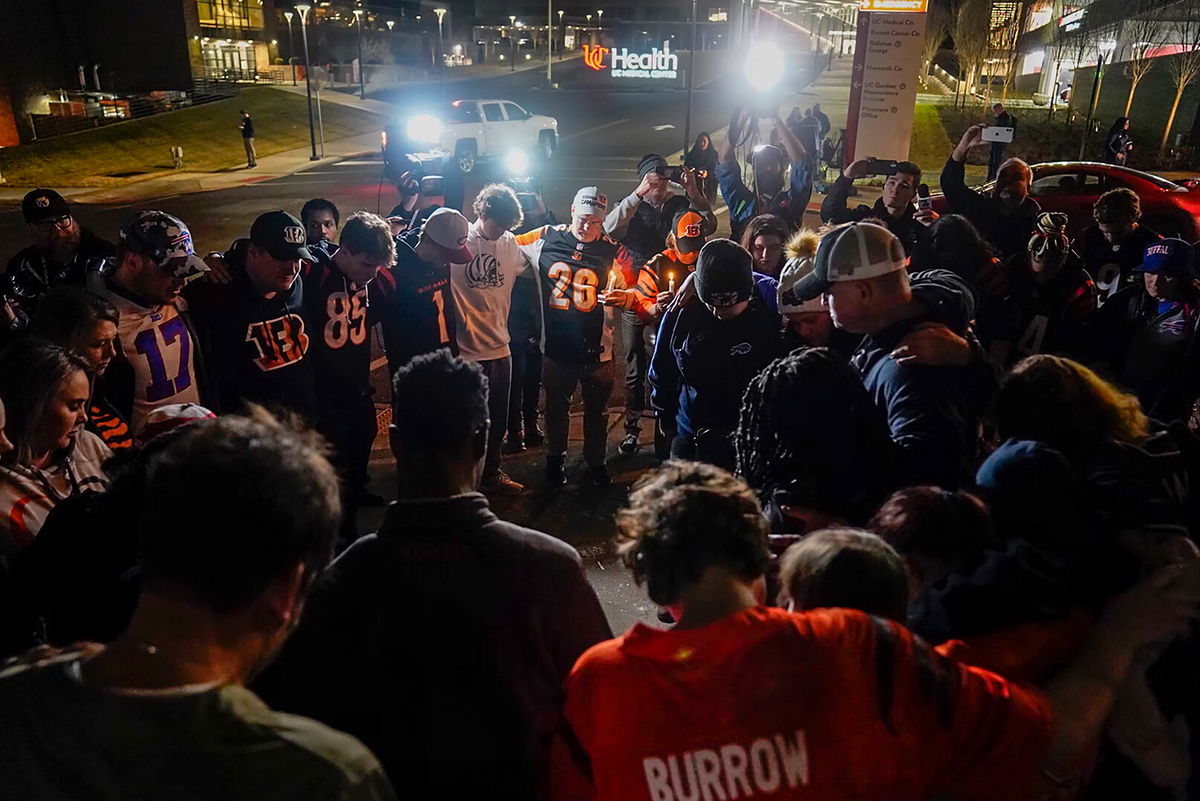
(62, 223)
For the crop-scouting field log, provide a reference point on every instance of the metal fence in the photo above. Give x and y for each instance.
(80, 111)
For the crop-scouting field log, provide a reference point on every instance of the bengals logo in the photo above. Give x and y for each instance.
(293, 235)
(593, 56)
(692, 231)
(278, 342)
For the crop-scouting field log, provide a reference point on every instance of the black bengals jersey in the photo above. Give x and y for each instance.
(258, 347)
(415, 305)
(571, 275)
(339, 327)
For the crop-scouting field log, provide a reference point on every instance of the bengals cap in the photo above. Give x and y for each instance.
(690, 229)
(281, 235)
(851, 253)
(589, 200)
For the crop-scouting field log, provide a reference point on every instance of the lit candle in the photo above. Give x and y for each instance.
(670, 282)
(612, 281)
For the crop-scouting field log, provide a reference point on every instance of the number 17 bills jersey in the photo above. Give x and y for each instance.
(160, 346)
(571, 275)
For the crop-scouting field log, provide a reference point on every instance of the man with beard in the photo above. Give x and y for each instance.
(62, 252)
(1005, 216)
(894, 207)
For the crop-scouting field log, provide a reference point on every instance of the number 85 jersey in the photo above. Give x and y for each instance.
(571, 276)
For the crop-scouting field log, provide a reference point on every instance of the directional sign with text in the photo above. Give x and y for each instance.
(883, 84)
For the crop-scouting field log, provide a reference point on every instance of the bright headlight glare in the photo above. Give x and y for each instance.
(424, 128)
(516, 163)
(764, 67)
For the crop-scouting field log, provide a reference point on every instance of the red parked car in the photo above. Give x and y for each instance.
(1074, 186)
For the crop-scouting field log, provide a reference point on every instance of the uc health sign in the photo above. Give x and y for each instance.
(624, 63)
(883, 86)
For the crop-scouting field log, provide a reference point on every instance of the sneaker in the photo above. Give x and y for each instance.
(513, 444)
(598, 475)
(629, 445)
(556, 474)
(534, 436)
(368, 498)
(502, 484)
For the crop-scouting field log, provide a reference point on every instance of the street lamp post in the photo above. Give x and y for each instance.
(1104, 49)
(600, 17)
(549, 41)
(687, 123)
(362, 79)
(562, 36)
(441, 12)
(512, 26)
(304, 8)
(291, 45)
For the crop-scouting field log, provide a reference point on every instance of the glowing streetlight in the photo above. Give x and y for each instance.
(441, 12)
(291, 45)
(362, 78)
(304, 8)
(600, 17)
(512, 23)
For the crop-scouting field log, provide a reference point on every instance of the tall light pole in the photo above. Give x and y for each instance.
(600, 17)
(562, 36)
(687, 123)
(1104, 49)
(291, 45)
(549, 40)
(304, 8)
(512, 26)
(441, 12)
(362, 78)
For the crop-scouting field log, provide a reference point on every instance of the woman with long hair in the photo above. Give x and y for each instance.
(45, 390)
(703, 159)
(86, 325)
(1118, 143)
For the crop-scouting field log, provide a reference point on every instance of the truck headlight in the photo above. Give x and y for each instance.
(517, 163)
(424, 129)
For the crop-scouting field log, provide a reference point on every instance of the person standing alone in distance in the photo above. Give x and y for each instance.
(247, 128)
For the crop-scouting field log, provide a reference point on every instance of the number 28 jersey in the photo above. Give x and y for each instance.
(160, 346)
(571, 275)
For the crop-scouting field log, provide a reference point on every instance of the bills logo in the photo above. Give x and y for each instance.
(293, 235)
(183, 244)
(593, 56)
(740, 349)
(42, 202)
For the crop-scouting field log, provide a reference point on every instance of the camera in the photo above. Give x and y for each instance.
(528, 201)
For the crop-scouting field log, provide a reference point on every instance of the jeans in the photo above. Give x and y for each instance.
(526, 383)
(707, 445)
(350, 427)
(596, 382)
(251, 156)
(499, 376)
(995, 159)
(637, 361)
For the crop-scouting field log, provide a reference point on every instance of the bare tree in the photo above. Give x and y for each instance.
(971, 39)
(1146, 32)
(937, 26)
(1009, 39)
(1184, 21)
(1077, 48)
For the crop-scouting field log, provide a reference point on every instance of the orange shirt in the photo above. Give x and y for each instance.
(829, 705)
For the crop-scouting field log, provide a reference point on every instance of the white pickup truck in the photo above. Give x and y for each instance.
(469, 130)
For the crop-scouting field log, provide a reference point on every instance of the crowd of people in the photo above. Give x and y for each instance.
(923, 527)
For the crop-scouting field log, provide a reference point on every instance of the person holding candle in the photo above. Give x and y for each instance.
(572, 263)
(656, 284)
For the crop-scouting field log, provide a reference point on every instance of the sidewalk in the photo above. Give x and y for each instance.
(278, 165)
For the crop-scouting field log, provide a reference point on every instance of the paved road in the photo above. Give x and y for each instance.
(603, 134)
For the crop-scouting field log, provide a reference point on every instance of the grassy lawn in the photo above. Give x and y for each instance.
(208, 134)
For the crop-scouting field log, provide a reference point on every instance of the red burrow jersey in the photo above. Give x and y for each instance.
(158, 343)
(830, 704)
(571, 275)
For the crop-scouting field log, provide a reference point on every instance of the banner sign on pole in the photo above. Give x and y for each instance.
(884, 80)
